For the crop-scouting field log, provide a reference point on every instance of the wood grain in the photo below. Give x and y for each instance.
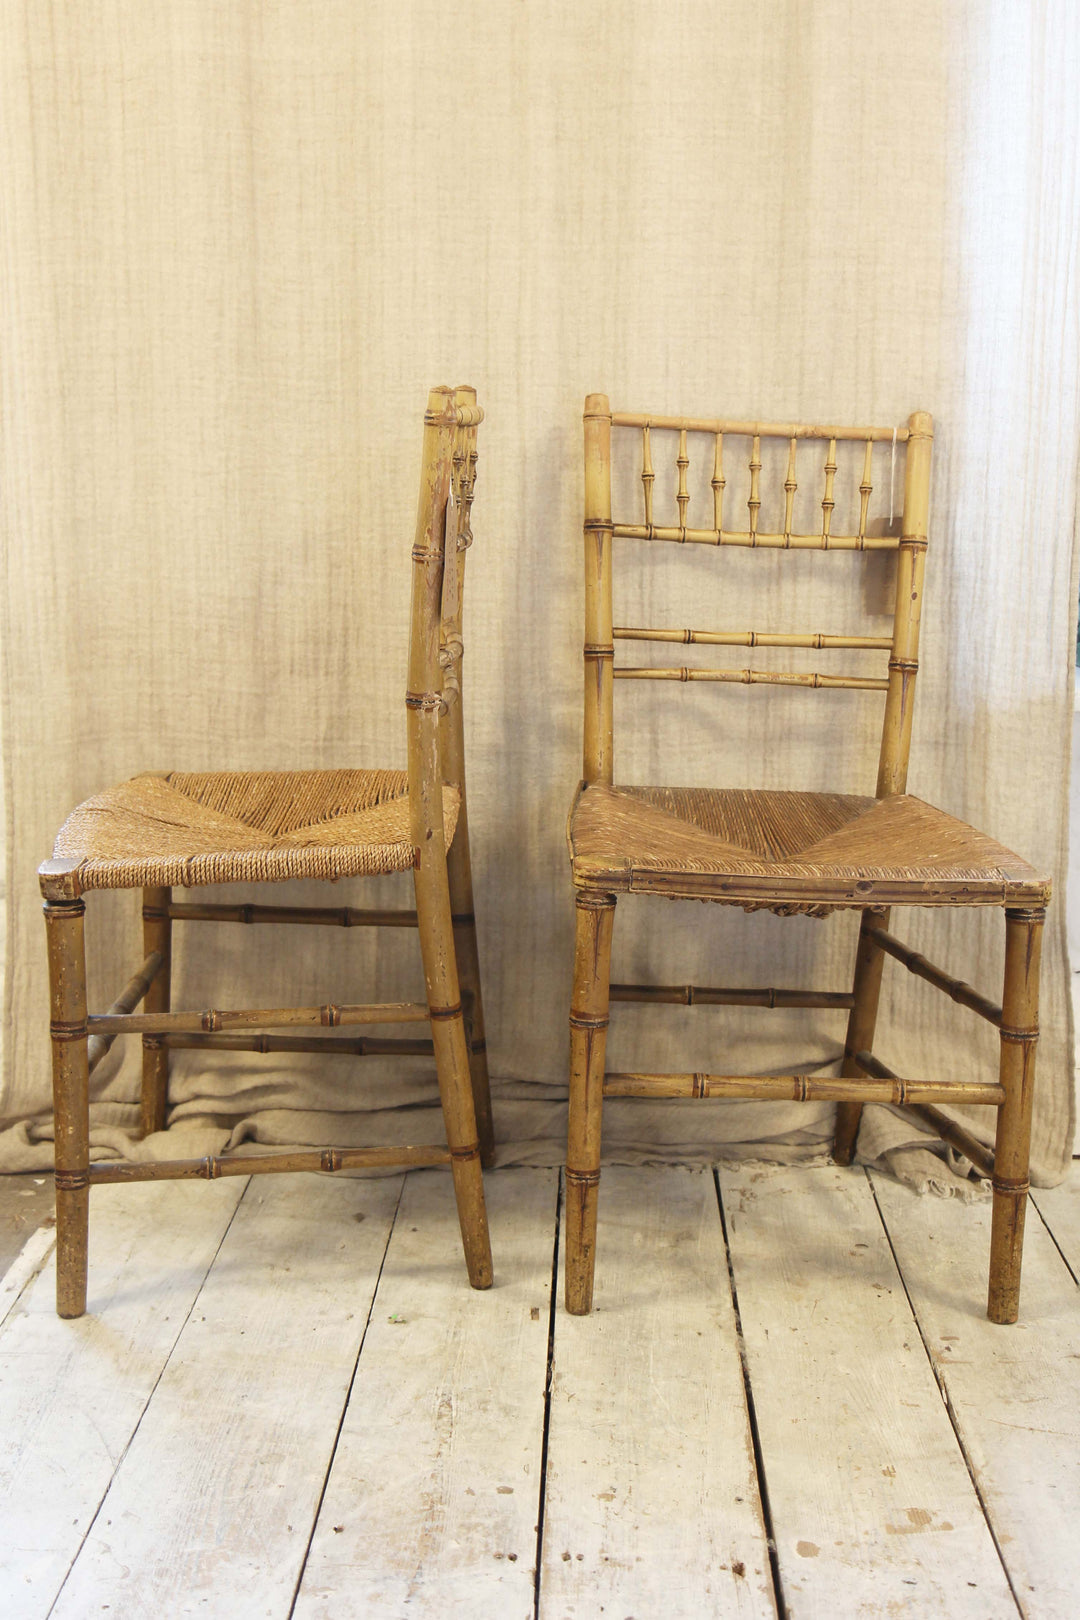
(652, 1503)
(73, 1393)
(431, 1506)
(1012, 1390)
(214, 1501)
(872, 1507)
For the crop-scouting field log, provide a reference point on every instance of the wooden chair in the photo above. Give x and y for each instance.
(185, 828)
(790, 852)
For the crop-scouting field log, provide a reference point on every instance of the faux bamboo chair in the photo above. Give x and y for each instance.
(789, 852)
(187, 829)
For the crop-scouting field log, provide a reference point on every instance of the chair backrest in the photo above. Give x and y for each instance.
(443, 535)
(913, 442)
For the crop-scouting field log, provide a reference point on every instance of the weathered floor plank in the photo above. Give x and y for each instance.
(72, 1393)
(431, 1506)
(872, 1506)
(652, 1503)
(1060, 1209)
(31, 1259)
(212, 1507)
(1014, 1392)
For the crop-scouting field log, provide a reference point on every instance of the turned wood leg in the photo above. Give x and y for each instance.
(869, 961)
(459, 873)
(452, 1065)
(588, 1040)
(1019, 1037)
(71, 1099)
(157, 936)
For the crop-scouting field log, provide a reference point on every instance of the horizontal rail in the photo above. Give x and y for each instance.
(750, 638)
(254, 1164)
(952, 1091)
(956, 988)
(955, 1135)
(361, 1046)
(694, 995)
(401, 1012)
(800, 1088)
(764, 430)
(754, 677)
(326, 916)
(132, 993)
(757, 541)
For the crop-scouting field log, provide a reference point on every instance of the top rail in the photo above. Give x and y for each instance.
(765, 430)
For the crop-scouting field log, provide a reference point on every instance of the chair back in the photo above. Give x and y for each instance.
(721, 438)
(436, 646)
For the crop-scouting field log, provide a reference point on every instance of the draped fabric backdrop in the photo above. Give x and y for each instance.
(239, 243)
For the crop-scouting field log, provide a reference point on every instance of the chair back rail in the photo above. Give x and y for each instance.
(913, 441)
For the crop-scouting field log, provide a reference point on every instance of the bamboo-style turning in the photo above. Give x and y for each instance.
(956, 989)
(801, 1088)
(133, 992)
(751, 677)
(697, 995)
(949, 1130)
(218, 827)
(788, 852)
(326, 1160)
(755, 538)
(750, 638)
(303, 916)
(329, 1015)
(328, 1046)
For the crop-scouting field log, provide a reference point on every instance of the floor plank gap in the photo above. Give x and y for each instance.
(547, 1397)
(345, 1404)
(88, 1532)
(748, 1395)
(939, 1380)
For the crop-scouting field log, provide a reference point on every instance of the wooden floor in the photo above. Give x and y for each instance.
(287, 1402)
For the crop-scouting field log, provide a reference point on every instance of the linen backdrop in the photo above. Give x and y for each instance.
(239, 243)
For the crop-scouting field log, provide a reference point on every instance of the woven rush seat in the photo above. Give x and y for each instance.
(190, 828)
(791, 851)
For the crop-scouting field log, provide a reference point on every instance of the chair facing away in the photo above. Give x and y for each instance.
(182, 828)
(790, 852)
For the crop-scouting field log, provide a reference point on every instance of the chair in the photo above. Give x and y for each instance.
(789, 852)
(185, 828)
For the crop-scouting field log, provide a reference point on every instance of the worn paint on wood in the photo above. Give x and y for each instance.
(213, 1505)
(73, 1393)
(872, 1507)
(432, 1504)
(1012, 1390)
(652, 1502)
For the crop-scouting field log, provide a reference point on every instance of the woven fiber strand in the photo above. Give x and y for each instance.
(187, 829)
(780, 836)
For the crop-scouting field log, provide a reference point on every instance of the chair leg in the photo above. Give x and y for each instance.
(1019, 1037)
(588, 1041)
(71, 1099)
(157, 936)
(869, 961)
(452, 1065)
(459, 875)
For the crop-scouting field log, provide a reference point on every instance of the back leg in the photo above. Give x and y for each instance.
(862, 1020)
(157, 936)
(452, 1065)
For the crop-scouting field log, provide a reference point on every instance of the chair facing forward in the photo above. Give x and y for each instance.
(790, 852)
(185, 828)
